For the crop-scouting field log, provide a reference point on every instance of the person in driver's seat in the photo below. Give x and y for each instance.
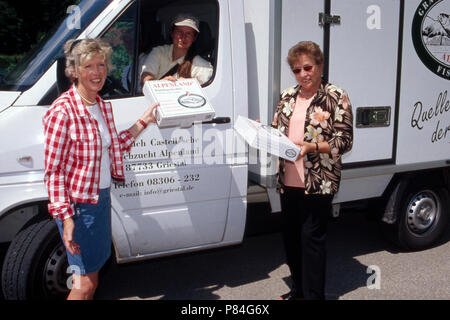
(179, 59)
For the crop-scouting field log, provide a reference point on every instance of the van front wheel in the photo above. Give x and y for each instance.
(35, 265)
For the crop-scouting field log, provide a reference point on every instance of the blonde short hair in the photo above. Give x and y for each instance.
(309, 48)
(77, 51)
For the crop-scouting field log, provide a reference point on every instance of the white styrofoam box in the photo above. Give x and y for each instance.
(181, 102)
(266, 139)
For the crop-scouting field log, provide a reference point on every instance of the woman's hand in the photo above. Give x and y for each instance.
(147, 78)
(149, 114)
(170, 78)
(68, 229)
(306, 147)
(143, 121)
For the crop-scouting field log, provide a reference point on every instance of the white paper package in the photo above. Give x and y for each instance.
(182, 102)
(266, 139)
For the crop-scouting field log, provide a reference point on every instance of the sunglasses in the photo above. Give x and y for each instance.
(299, 69)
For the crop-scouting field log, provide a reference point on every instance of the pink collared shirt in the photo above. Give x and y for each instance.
(295, 171)
(73, 152)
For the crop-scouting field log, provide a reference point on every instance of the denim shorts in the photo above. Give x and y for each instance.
(92, 233)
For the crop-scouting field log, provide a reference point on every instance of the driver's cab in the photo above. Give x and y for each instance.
(180, 191)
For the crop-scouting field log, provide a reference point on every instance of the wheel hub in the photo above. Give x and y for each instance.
(55, 271)
(422, 211)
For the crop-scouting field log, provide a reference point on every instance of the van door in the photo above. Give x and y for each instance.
(176, 196)
(363, 60)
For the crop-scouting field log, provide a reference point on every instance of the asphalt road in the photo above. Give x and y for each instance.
(255, 270)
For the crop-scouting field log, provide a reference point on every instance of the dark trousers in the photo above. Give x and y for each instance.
(305, 220)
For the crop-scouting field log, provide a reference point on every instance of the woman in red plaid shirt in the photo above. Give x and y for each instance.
(83, 153)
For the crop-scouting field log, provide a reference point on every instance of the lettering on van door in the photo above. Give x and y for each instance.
(161, 153)
(433, 117)
(156, 186)
(161, 157)
(172, 164)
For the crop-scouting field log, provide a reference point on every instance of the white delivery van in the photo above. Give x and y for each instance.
(187, 188)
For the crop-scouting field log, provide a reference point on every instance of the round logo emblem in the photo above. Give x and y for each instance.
(192, 101)
(290, 153)
(431, 35)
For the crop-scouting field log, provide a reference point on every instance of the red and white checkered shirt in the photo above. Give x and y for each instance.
(73, 152)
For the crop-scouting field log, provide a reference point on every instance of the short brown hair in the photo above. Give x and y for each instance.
(77, 51)
(309, 48)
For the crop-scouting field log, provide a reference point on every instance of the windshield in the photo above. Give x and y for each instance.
(44, 54)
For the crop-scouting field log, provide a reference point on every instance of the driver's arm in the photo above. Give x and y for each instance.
(147, 76)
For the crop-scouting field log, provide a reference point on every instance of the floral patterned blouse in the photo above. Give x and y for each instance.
(329, 118)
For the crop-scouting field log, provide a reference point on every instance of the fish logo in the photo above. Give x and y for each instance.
(291, 153)
(190, 100)
(431, 36)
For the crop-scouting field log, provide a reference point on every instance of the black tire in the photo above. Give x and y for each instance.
(35, 265)
(422, 216)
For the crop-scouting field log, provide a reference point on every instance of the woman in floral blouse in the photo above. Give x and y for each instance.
(318, 117)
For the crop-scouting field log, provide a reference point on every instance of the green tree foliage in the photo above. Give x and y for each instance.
(24, 23)
(121, 39)
(10, 26)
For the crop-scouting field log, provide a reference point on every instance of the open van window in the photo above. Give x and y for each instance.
(156, 18)
(145, 25)
(43, 55)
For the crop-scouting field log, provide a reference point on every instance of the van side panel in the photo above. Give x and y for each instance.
(299, 22)
(363, 61)
(237, 205)
(262, 27)
(424, 116)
